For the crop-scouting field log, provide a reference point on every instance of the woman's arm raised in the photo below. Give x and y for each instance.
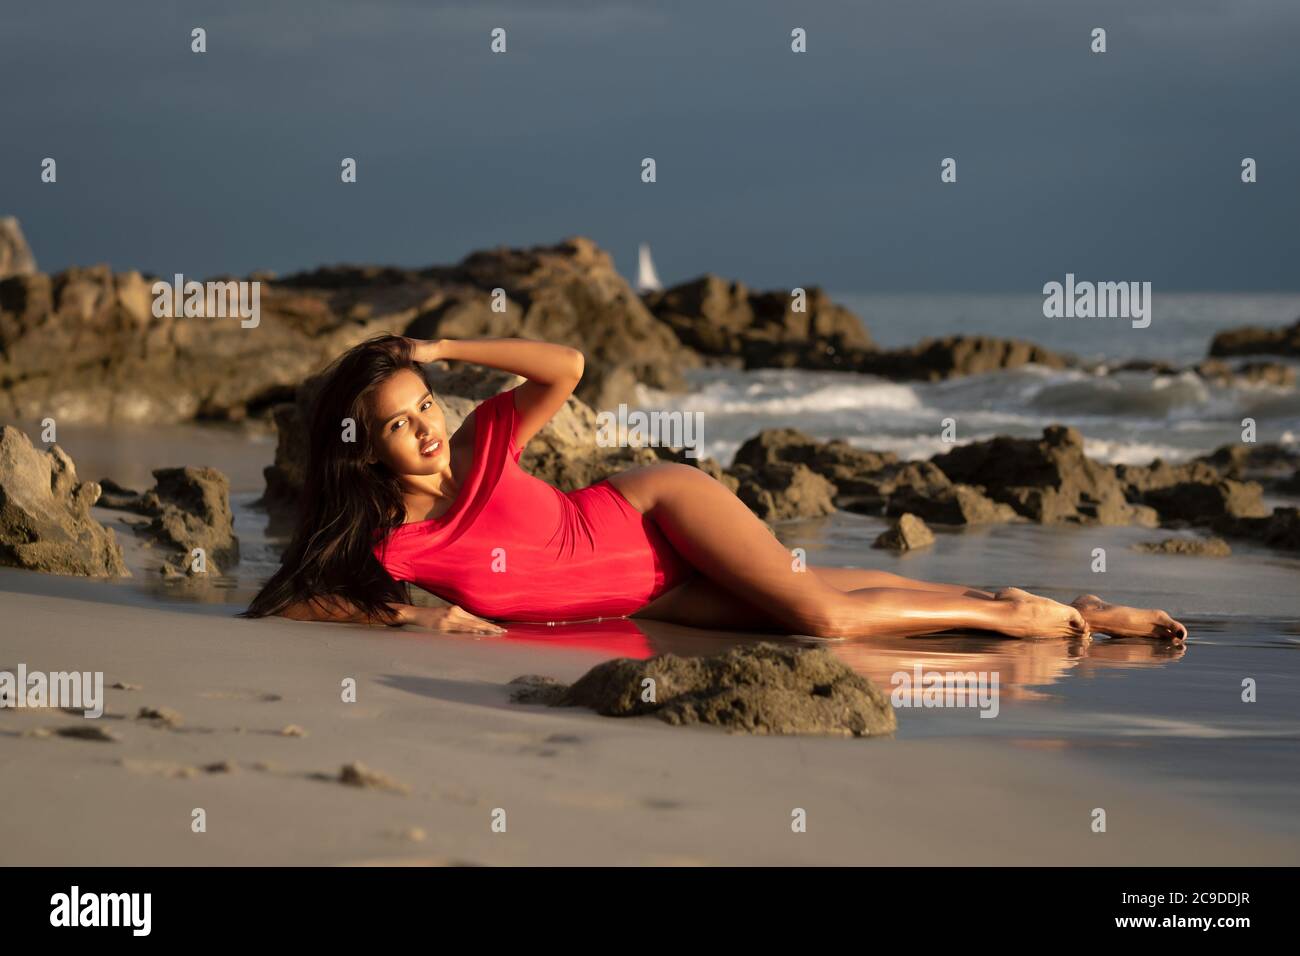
(553, 371)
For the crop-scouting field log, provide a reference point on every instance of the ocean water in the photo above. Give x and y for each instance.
(1129, 417)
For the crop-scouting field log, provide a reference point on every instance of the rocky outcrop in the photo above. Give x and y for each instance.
(757, 689)
(1049, 480)
(16, 257)
(189, 508)
(935, 359)
(782, 491)
(569, 294)
(907, 533)
(85, 346)
(727, 323)
(45, 521)
(952, 504)
(1253, 340)
(1200, 547)
(1250, 373)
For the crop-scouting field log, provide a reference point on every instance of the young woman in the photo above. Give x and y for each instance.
(395, 498)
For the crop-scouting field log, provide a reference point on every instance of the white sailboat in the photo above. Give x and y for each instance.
(647, 280)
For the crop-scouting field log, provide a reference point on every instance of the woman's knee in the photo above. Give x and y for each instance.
(822, 615)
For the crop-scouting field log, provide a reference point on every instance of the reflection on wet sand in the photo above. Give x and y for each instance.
(1021, 666)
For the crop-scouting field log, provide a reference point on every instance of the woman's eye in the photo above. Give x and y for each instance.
(425, 405)
(398, 424)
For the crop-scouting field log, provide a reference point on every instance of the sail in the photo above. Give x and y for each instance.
(646, 278)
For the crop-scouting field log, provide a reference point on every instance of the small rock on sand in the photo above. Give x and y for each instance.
(292, 730)
(1202, 547)
(163, 715)
(761, 689)
(125, 685)
(357, 774)
(907, 533)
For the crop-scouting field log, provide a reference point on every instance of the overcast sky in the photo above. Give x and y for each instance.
(775, 168)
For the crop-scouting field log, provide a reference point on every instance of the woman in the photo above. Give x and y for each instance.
(390, 497)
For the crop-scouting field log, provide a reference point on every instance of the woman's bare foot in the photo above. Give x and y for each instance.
(1036, 617)
(1117, 620)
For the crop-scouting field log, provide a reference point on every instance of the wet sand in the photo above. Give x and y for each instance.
(432, 712)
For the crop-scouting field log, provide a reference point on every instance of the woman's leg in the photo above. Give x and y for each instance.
(722, 538)
(1117, 620)
(853, 579)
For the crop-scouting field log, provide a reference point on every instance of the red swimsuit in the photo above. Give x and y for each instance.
(512, 547)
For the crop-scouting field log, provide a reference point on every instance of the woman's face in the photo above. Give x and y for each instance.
(409, 433)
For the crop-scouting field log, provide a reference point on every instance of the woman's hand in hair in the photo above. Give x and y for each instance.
(450, 620)
(426, 350)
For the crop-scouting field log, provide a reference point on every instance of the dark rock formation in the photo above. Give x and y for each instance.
(1048, 480)
(1201, 547)
(907, 533)
(85, 346)
(190, 508)
(781, 491)
(45, 522)
(759, 689)
(1253, 340)
(724, 321)
(951, 504)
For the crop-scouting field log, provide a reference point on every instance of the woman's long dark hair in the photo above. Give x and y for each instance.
(346, 498)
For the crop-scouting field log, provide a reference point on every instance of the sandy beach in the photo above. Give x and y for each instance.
(433, 714)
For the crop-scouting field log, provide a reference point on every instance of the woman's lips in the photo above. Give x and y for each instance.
(431, 447)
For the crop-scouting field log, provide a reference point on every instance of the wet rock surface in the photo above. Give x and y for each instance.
(1198, 547)
(45, 520)
(1253, 340)
(758, 689)
(189, 508)
(907, 533)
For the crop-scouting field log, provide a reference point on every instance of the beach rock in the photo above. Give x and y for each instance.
(951, 504)
(16, 257)
(907, 533)
(911, 481)
(1251, 373)
(568, 293)
(1253, 340)
(1137, 480)
(781, 491)
(835, 460)
(45, 522)
(756, 689)
(723, 320)
(1281, 529)
(1203, 502)
(190, 508)
(1266, 462)
(83, 345)
(1049, 480)
(357, 774)
(953, 355)
(1200, 547)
